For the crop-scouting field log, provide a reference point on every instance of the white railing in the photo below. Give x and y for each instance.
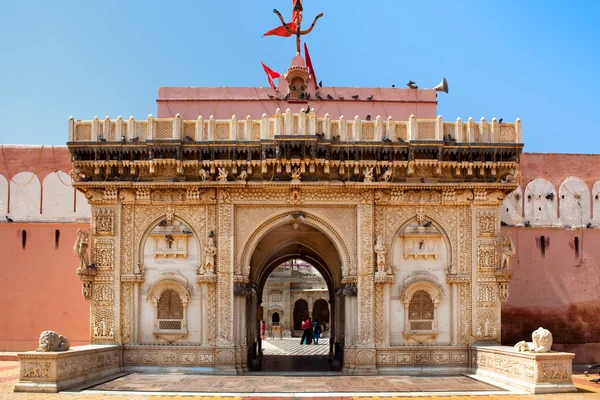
(287, 124)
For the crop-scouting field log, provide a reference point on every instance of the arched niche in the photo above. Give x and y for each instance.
(421, 255)
(167, 294)
(25, 197)
(3, 197)
(540, 203)
(181, 261)
(574, 202)
(58, 199)
(511, 212)
(596, 203)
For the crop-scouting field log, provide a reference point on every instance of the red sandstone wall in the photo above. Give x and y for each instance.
(41, 160)
(558, 167)
(39, 289)
(556, 287)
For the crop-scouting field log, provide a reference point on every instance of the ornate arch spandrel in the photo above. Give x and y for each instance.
(145, 225)
(242, 268)
(443, 230)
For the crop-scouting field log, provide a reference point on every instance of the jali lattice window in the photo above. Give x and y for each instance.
(170, 310)
(420, 312)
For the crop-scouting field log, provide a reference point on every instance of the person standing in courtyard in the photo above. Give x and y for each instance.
(263, 328)
(316, 332)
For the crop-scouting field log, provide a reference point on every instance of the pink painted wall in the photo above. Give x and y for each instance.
(556, 287)
(39, 289)
(225, 102)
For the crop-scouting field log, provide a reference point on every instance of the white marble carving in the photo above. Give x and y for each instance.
(508, 251)
(52, 341)
(542, 342)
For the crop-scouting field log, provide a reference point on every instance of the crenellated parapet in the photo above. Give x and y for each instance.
(288, 124)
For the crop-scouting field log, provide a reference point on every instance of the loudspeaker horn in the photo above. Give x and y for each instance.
(442, 86)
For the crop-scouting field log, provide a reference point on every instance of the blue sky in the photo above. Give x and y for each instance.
(537, 60)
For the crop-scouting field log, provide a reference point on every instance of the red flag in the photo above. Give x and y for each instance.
(281, 31)
(310, 66)
(270, 75)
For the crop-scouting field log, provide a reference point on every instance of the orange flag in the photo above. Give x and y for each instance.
(270, 75)
(296, 18)
(281, 31)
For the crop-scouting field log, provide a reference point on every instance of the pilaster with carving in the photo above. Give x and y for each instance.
(486, 246)
(225, 357)
(365, 353)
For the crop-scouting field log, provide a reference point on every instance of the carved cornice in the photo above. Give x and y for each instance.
(458, 279)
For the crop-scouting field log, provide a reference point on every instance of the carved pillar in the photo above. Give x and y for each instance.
(365, 352)
(224, 353)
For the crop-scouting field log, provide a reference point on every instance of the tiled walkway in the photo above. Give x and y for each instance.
(294, 384)
(9, 376)
(292, 347)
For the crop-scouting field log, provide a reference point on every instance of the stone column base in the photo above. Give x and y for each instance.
(533, 372)
(51, 372)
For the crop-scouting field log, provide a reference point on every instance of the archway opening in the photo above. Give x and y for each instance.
(296, 269)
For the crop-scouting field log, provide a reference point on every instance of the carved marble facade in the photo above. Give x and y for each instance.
(443, 246)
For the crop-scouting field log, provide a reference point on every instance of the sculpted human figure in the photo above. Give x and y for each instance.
(209, 254)
(296, 174)
(508, 251)
(223, 174)
(368, 173)
(542, 342)
(242, 176)
(380, 250)
(80, 248)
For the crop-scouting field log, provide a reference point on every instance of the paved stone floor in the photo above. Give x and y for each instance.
(253, 384)
(292, 347)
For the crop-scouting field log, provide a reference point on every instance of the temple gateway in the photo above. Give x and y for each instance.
(401, 217)
(397, 209)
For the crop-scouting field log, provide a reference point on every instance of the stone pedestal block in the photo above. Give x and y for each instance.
(534, 372)
(51, 372)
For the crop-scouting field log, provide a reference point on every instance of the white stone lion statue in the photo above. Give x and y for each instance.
(52, 341)
(542, 342)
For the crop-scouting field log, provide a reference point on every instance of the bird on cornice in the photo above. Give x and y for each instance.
(411, 84)
(330, 97)
(102, 138)
(189, 138)
(135, 139)
(318, 96)
(355, 97)
(9, 219)
(340, 97)
(370, 97)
